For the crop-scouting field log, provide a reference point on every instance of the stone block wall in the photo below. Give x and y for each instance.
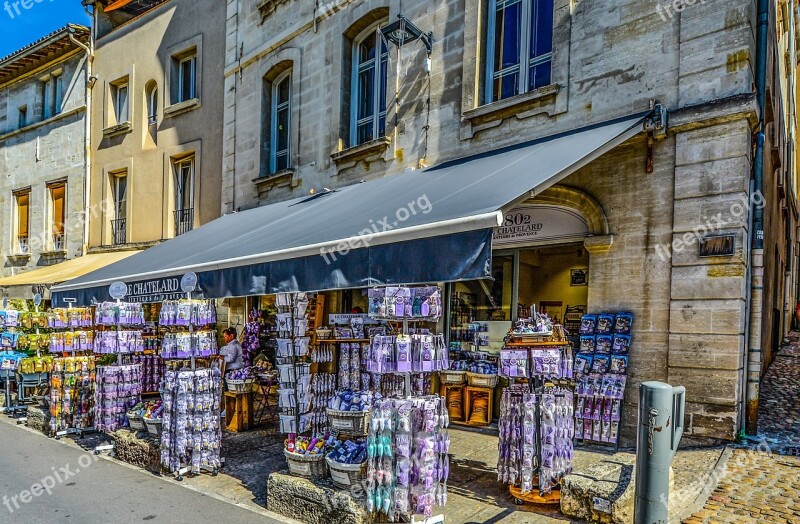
(44, 151)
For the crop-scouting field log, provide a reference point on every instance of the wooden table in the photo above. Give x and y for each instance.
(238, 411)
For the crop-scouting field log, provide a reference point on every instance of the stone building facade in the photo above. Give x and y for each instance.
(43, 151)
(656, 194)
(156, 120)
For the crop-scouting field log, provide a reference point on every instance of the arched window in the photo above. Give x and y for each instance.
(280, 122)
(368, 87)
(519, 47)
(151, 99)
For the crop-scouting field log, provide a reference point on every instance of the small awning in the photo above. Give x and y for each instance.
(425, 226)
(20, 285)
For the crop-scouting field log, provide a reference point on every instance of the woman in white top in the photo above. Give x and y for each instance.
(232, 350)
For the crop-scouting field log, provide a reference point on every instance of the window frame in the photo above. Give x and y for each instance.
(19, 247)
(177, 166)
(115, 194)
(58, 93)
(380, 75)
(22, 116)
(190, 57)
(152, 105)
(54, 225)
(275, 107)
(117, 88)
(527, 9)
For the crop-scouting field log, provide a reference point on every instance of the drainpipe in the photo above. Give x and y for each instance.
(87, 145)
(754, 356)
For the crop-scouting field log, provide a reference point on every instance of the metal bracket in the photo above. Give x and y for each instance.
(657, 122)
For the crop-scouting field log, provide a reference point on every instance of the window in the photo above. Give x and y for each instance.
(280, 124)
(58, 94)
(368, 105)
(184, 195)
(52, 96)
(23, 117)
(519, 47)
(23, 222)
(119, 93)
(58, 214)
(152, 105)
(187, 75)
(119, 224)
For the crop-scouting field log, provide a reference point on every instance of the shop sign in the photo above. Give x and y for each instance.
(537, 223)
(578, 277)
(718, 246)
(159, 290)
(343, 319)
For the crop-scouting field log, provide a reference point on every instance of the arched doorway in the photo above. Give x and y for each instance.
(540, 258)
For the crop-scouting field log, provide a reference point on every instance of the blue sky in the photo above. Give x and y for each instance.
(20, 26)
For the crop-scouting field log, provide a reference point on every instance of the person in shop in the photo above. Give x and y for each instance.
(232, 350)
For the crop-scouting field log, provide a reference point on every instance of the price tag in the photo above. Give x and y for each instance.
(8, 364)
(300, 468)
(601, 505)
(343, 424)
(340, 477)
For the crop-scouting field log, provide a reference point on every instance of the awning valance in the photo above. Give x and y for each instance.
(424, 226)
(20, 285)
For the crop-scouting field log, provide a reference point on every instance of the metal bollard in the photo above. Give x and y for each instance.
(661, 410)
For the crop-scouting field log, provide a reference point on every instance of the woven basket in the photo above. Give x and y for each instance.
(154, 426)
(353, 423)
(240, 386)
(308, 466)
(481, 381)
(345, 475)
(452, 377)
(136, 422)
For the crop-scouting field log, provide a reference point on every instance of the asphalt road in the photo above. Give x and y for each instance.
(43, 481)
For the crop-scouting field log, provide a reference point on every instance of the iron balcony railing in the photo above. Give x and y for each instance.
(59, 242)
(184, 220)
(119, 231)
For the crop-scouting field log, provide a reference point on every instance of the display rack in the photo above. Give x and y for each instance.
(180, 452)
(85, 390)
(536, 385)
(10, 358)
(22, 384)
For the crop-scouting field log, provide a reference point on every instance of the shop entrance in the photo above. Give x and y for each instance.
(553, 279)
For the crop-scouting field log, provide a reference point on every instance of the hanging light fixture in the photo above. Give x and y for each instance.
(402, 31)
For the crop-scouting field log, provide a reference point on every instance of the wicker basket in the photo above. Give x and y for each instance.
(308, 466)
(353, 423)
(240, 385)
(481, 381)
(345, 475)
(452, 377)
(154, 426)
(136, 422)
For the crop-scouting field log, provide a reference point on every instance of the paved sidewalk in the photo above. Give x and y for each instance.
(759, 483)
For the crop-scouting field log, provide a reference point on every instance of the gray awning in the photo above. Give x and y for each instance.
(344, 238)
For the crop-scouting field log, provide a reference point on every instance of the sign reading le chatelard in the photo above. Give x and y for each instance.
(159, 290)
(532, 223)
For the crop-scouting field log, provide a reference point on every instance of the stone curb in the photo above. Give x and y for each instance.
(702, 497)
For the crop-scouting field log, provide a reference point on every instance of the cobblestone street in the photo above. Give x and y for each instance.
(761, 482)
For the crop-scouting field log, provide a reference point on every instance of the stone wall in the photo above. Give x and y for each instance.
(611, 58)
(44, 151)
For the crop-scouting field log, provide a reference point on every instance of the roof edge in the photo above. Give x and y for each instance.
(45, 41)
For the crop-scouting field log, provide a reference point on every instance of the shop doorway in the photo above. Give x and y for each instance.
(553, 279)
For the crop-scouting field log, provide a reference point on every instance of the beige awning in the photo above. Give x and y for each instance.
(62, 272)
